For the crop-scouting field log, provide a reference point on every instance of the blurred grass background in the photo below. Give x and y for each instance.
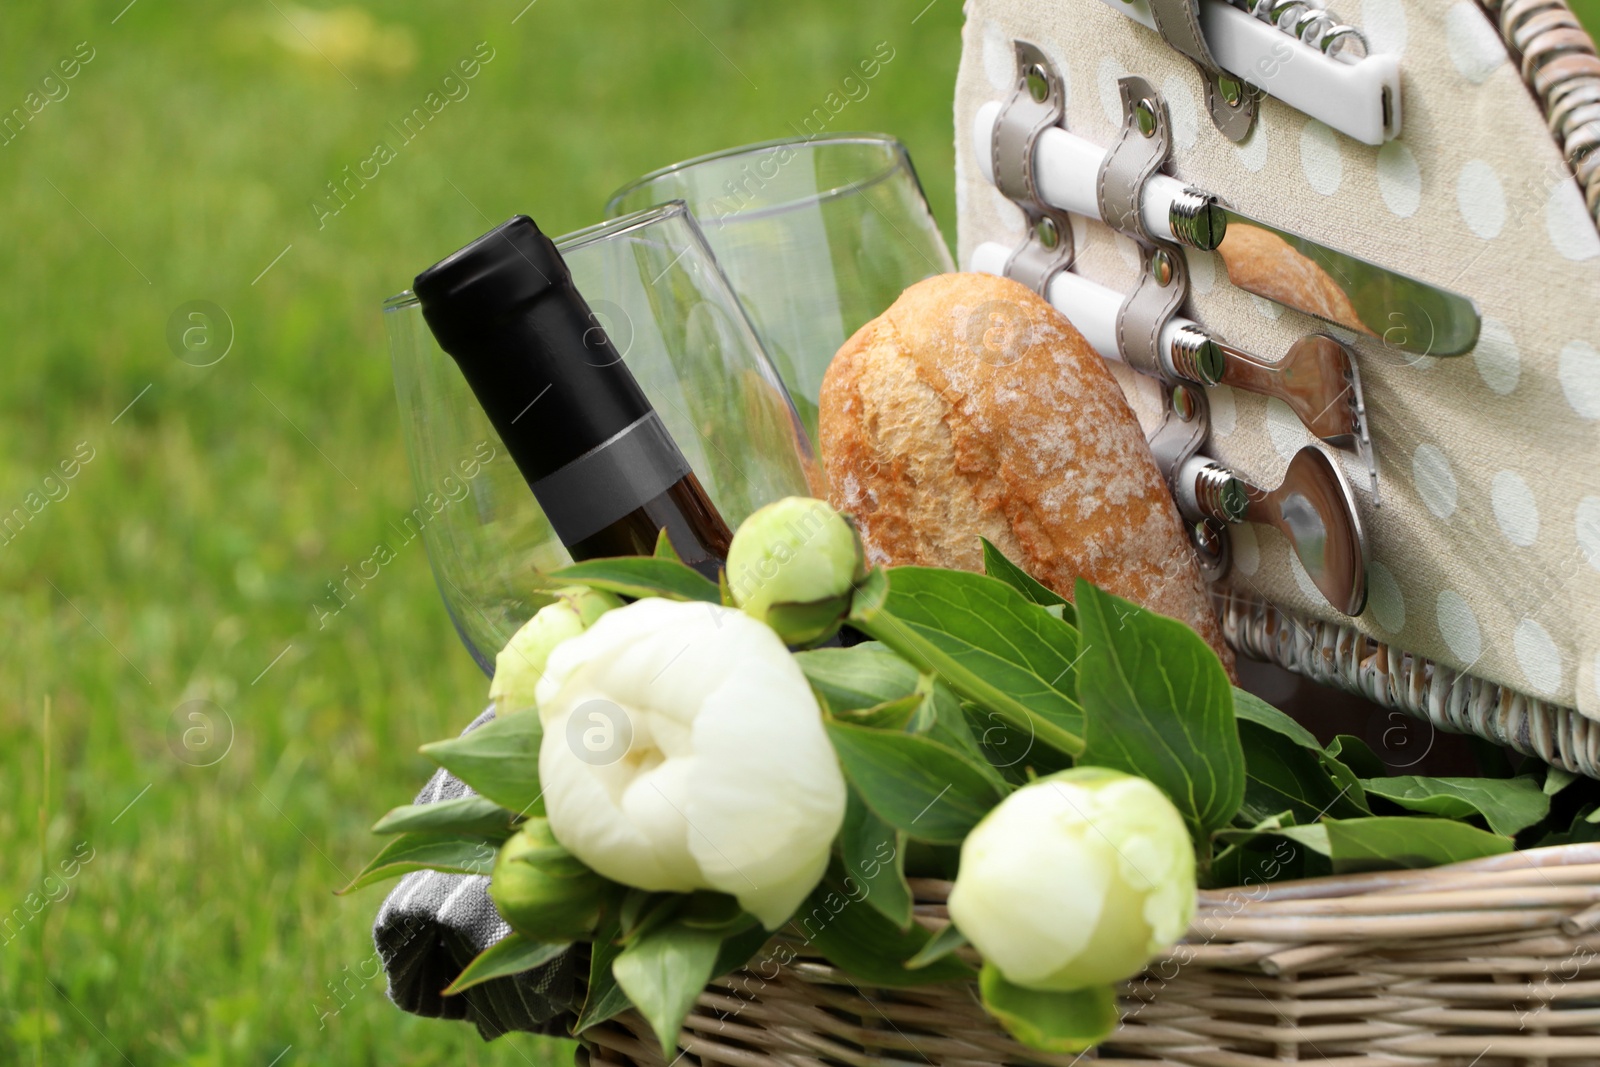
(183, 561)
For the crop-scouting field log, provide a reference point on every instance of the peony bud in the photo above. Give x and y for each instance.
(1076, 880)
(542, 890)
(793, 565)
(520, 665)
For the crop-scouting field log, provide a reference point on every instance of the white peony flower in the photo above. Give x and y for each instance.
(1076, 880)
(683, 749)
(793, 565)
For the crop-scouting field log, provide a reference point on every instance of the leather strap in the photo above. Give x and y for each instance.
(1178, 23)
(1148, 308)
(1132, 159)
(1016, 132)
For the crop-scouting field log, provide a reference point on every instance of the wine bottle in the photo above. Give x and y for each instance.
(601, 463)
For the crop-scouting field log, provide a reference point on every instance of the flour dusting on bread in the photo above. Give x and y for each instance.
(972, 407)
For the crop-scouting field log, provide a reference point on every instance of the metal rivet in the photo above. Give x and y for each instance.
(1144, 113)
(1182, 403)
(1038, 83)
(1049, 236)
(1207, 538)
(1161, 267)
(1232, 92)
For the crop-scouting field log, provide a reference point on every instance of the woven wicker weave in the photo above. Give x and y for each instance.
(1338, 655)
(1490, 963)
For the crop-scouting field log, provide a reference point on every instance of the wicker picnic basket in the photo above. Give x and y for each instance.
(1488, 963)
(1494, 963)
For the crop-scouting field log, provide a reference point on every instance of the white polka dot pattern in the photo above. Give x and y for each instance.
(1579, 368)
(1588, 529)
(1475, 46)
(1182, 111)
(1538, 657)
(1481, 199)
(1458, 626)
(1566, 221)
(1399, 179)
(1385, 603)
(1514, 508)
(1435, 482)
(1498, 359)
(1320, 159)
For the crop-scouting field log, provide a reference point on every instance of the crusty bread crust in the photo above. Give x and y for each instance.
(972, 407)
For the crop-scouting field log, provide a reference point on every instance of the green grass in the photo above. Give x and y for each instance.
(187, 554)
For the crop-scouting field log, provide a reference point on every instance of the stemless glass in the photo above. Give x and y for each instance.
(818, 236)
(657, 291)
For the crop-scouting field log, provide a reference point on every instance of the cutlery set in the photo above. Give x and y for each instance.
(1052, 173)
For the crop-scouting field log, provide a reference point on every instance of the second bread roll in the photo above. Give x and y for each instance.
(972, 407)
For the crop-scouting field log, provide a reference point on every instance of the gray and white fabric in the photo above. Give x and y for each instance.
(432, 925)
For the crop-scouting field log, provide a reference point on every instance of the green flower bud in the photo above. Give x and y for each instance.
(1076, 880)
(793, 565)
(545, 892)
(521, 663)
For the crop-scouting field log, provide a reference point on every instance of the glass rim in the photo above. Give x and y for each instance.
(580, 237)
(894, 144)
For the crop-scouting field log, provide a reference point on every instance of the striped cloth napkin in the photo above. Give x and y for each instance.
(432, 925)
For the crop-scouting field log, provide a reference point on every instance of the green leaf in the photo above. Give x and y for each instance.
(1508, 805)
(1050, 1022)
(860, 677)
(996, 565)
(500, 760)
(942, 718)
(510, 955)
(663, 973)
(1286, 768)
(984, 640)
(639, 577)
(739, 949)
(858, 939)
(450, 853)
(874, 852)
(938, 947)
(469, 816)
(1157, 703)
(1556, 779)
(1357, 755)
(890, 715)
(915, 784)
(1390, 842)
(605, 998)
(1248, 707)
(664, 549)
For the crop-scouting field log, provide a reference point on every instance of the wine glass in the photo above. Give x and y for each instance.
(656, 289)
(817, 236)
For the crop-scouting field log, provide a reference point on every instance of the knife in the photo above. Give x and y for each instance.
(1404, 313)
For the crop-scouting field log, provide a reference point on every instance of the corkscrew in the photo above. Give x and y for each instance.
(1315, 26)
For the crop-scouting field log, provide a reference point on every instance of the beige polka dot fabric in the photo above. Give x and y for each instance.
(1486, 546)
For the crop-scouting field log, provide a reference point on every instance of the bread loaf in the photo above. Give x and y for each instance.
(972, 407)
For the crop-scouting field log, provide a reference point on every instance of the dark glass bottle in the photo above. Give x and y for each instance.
(605, 470)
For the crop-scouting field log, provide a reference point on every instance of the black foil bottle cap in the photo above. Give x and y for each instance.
(550, 380)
